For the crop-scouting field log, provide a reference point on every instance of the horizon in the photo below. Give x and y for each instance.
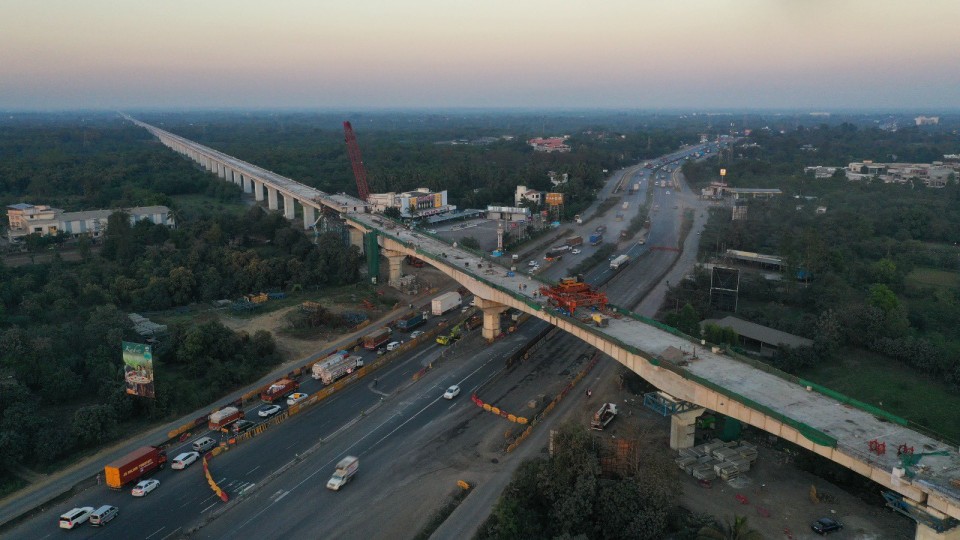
(706, 56)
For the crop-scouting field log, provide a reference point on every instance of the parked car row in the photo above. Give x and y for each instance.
(97, 517)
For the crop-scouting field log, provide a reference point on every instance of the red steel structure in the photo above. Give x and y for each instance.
(359, 171)
(571, 293)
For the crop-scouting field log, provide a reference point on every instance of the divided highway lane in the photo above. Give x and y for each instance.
(184, 496)
(297, 504)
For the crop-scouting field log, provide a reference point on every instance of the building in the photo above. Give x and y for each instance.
(754, 193)
(934, 175)
(763, 339)
(524, 194)
(820, 172)
(418, 203)
(550, 144)
(927, 120)
(509, 213)
(44, 220)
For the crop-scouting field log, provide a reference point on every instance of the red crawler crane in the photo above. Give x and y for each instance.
(359, 171)
(571, 293)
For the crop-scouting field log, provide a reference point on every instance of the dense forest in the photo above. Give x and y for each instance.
(882, 260)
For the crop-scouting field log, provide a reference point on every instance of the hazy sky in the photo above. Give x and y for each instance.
(642, 54)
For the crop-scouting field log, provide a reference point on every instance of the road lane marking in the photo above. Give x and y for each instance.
(282, 496)
(171, 534)
(207, 508)
(156, 532)
(253, 469)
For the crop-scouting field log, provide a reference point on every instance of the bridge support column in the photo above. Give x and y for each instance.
(928, 533)
(682, 427)
(356, 238)
(272, 198)
(247, 184)
(209, 164)
(289, 211)
(308, 217)
(257, 190)
(395, 258)
(221, 171)
(491, 317)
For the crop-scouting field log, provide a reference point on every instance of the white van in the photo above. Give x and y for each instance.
(75, 517)
(103, 515)
(204, 444)
(393, 345)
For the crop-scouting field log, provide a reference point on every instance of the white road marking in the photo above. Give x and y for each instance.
(156, 532)
(171, 534)
(253, 469)
(282, 496)
(207, 508)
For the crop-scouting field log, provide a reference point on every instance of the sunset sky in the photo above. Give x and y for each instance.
(638, 54)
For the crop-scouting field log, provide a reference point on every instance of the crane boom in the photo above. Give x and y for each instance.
(359, 171)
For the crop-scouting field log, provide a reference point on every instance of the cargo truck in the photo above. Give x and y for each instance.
(410, 321)
(279, 390)
(604, 416)
(223, 417)
(377, 338)
(346, 469)
(445, 302)
(619, 262)
(133, 466)
(596, 239)
(556, 252)
(336, 366)
(625, 205)
(574, 241)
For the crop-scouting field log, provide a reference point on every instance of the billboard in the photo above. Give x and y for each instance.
(138, 369)
(554, 199)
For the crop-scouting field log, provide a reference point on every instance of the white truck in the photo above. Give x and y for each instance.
(347, 467)
(604, 416)
(445, 302)
(619, 262)
(335, 367)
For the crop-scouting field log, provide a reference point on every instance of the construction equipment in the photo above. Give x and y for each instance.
(359, 171)
(572, 292)
(447, 339)
(604, 416)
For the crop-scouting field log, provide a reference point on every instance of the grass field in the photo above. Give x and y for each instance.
(887, 384)
(931, 277)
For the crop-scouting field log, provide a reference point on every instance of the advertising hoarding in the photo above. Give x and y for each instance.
(138, 369)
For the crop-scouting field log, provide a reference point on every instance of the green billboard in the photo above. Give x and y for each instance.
(138, 369)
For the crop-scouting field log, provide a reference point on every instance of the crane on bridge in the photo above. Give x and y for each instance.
(572, 292)
(359, 171)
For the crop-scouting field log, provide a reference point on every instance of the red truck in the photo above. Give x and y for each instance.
(133, 465)
(224, 417)
(375, 339)
(279, 390)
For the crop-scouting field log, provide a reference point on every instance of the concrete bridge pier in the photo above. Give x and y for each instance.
(247, 184)
(272, 198)
(395, 258)
(682, 428)
(308, 217)
(257, 190)
(289, 211)
(356, 238)
(221, 170)
(491, 317)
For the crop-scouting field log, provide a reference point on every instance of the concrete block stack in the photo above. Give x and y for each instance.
(717, 459)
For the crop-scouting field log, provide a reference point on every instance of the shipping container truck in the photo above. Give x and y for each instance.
(346, 469)
(224, 417)
(336, 366)
(376, 338)
(278, 390)
(556, 252)
(635, 188)
(445, 302)
(410, 321)
(596, 239)
(604, 416)
(619, 262)
(574, 241)
(133, 466)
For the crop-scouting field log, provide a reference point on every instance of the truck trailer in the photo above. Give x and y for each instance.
(596, 239)
(410, 321)
(376, 338)
(336, 366)
(346, 469)
(445, 302)
(133, 466)
(619, 262)
(279, 390)
(223, 417)
(574, 241)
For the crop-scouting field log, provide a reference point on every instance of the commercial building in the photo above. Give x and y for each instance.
(44, 220)
(934, 175)
(550, 144)
(524, 194)
(420, 202)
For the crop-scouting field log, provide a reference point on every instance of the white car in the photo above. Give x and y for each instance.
(184, 460)
(75, 517)
(575, 252)
(532, 263)
(393, 345)
(296, 397)
(268, 410)
(415, 334)
(452, 392)
(144, 487)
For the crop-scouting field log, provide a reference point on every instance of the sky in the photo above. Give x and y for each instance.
(632, 54)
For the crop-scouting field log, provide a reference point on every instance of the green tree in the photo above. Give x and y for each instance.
(469, 242)
(738, 529)
(392, 212)
(883, 298)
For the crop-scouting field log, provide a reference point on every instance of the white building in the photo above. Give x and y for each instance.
(522, 193)
(44, 220)
(420, 202)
